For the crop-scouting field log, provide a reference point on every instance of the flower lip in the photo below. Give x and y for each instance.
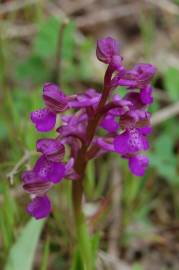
(48, 170)
(130, 141)
(39, 207)
(138, 164)
(43, 119)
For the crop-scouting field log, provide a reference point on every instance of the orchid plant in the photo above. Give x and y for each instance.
(124, 119)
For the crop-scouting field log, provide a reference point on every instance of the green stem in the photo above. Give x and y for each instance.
(58, 56)
(84, 241)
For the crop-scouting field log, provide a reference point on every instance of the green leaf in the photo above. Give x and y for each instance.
(148, 32)
(137, 266)
(22, 253)
(171, 81)
(95, 240)
(77, 262)
(68, 42)
(3, 129)
(176, 1)
(32, 68)
(164, 159)
(44, 264)
(85, 69)
(46, 40)
(121, 91)
(45, 44)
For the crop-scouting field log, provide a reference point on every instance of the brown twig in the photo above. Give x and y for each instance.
(161, 95)
(58, 58)
(101, 16)
(17, 166)
(165, 114)
(108, 261)
(106, 15)
(54, 10)
(71, 7)
(13, 31)
(16, 5)
(165, 5)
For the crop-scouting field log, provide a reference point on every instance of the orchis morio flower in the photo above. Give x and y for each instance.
(125, 121)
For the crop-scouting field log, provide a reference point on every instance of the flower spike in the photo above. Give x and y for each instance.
(123, 123)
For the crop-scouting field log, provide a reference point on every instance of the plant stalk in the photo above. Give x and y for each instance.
(77, 186)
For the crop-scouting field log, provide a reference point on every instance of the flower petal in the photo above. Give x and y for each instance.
(70, 173)
(53, 149)
(29, 177)
(40, 207)
(138, 77)
(138, 164)
(57, 172)
(37, 188)
(87, 99)
(146, 95)
(109, 123)
(43, 119)
(146, 130)
(106, 49)
(48, 170)
(144, 71)
(130, 141)
(33, 184)
(54, 98)
(105, 144)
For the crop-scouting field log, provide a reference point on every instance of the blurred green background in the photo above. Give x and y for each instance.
(137, 219)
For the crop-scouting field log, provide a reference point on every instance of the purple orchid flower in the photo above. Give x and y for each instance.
(52, 149)
(44, 119)
(130, 141)
(108, 52)
(138, 77)
(56, 102)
